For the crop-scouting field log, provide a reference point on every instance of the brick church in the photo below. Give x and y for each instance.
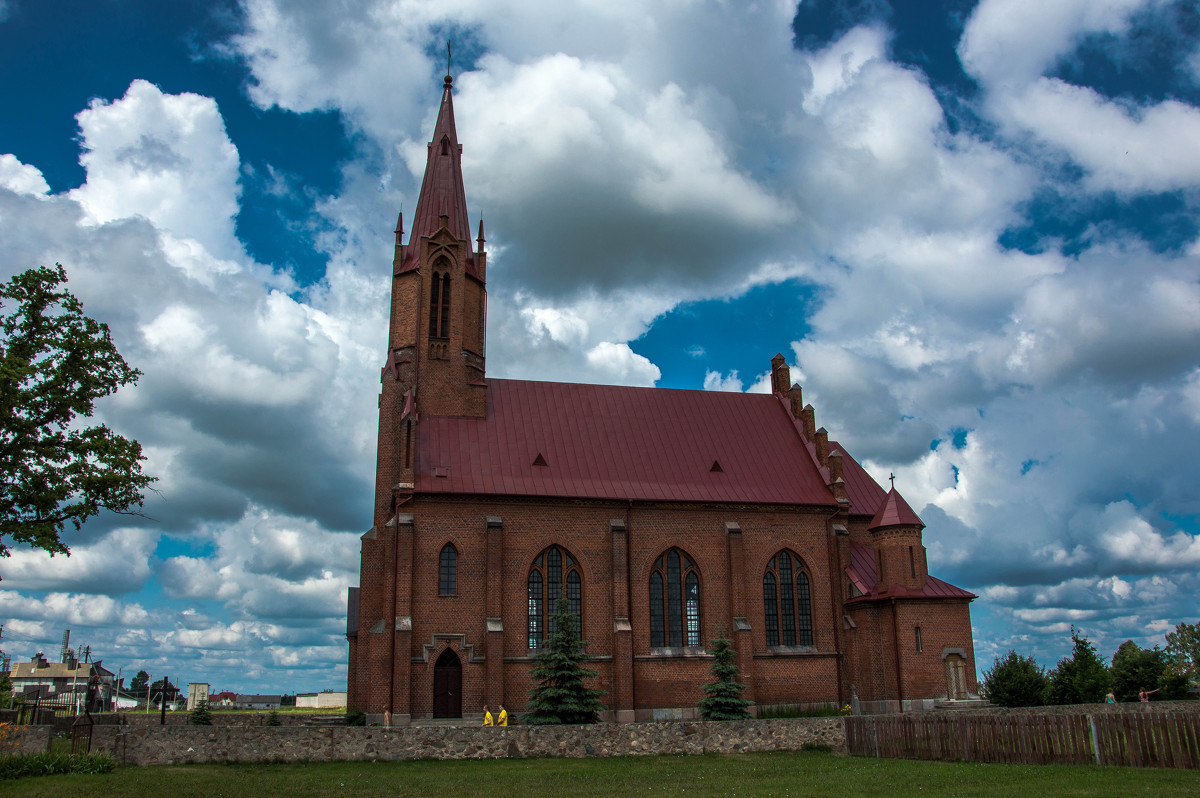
(662, 515)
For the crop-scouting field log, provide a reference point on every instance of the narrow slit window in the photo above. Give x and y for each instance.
(448, 571)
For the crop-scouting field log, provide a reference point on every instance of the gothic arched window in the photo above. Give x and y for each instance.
(674, 601)
(551, 570)
(439, 300)
(448, 571)
(787, 601)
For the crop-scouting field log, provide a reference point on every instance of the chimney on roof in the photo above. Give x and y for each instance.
(781, 376)
(835, 466)
(809, 417)
(796, 395)
(821, 439)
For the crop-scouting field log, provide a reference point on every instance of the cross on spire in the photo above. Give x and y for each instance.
(447, 58)
(892, 477)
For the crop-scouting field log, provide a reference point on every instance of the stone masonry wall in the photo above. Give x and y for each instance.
(159, 745)
(24, 739)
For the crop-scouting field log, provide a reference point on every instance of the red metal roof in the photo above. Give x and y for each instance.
(603, 441)
(895, 512)
(864, 493)
(442, 192)
(862, 573)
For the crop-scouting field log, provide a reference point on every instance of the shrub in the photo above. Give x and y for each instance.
(356, 717)
(1015, 681)
(47, 764)
(770, 713)
(273, 719)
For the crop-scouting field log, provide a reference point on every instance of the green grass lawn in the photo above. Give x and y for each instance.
(805, 773)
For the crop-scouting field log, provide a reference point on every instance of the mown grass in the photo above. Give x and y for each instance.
(791, 773)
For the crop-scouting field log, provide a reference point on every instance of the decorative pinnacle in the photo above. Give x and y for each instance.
(449, 80)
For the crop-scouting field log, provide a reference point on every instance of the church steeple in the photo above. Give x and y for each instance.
(442, 199)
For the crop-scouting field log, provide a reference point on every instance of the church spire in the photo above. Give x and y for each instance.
(442, 199)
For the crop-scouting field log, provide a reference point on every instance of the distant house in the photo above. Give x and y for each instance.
(223, 699)
(66, 682)
(328, 699)
(256, 701)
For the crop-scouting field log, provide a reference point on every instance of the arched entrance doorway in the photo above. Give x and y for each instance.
(956, 678)
(447, 686)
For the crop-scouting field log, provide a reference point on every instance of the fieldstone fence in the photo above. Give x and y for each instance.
(166, 745)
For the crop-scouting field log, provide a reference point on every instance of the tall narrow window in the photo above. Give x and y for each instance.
(554, 574)
(917, 629)
(439, 300)
(770, 598)
(448, 571)
(444, 322)
(674, 601)
(435, 303)
(535, 609)
(912, 563)
(788, 610)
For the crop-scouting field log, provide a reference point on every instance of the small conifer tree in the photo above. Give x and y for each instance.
(561, 695)
(724, 700)
(201, 716)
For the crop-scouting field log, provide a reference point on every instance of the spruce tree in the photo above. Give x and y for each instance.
(561, 695)
(724, 700)
(201, 716)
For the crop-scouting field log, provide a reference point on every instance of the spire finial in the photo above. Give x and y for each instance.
(449, 78)
(892, 477)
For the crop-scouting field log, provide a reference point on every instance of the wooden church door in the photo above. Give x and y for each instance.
(956, 678)
(447, 686)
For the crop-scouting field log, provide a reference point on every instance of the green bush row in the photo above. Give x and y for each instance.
(16, 766)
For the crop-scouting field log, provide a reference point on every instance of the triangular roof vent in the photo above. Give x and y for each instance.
(716, 468)
(539, 460)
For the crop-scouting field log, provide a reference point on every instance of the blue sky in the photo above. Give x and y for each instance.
(972, 229)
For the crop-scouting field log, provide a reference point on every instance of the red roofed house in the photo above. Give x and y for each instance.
(663, 515)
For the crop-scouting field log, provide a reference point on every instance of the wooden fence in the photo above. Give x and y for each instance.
(1161, 739)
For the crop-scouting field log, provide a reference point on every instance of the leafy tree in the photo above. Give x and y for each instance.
(724, 700)
(200, 716)
(561, 695)
(1172, 685)
(1135, 669)
(1015, 681)
(169, 691)
(1183, 650)
(5, 690)
(55, 363)
(138, 686)
(1082, 679)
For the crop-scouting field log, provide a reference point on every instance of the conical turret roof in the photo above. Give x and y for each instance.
(895, 512)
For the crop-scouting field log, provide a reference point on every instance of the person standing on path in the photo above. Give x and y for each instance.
(487, 716)
(502, 718)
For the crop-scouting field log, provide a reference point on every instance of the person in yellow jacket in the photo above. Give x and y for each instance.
(487, 716)
(502, 719)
